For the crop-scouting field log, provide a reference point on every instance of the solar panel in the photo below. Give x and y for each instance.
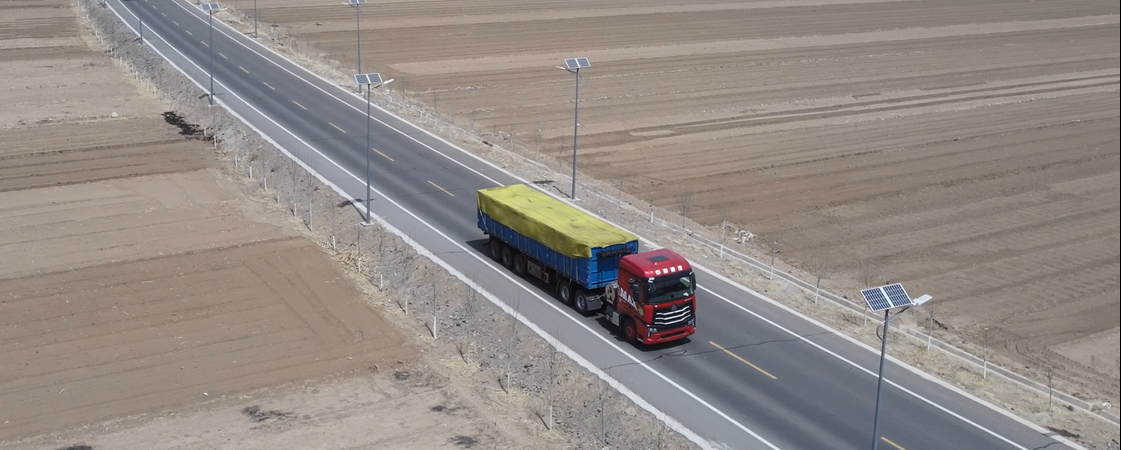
(368, 78)
(210, 7)
(886, 297)
(896, 295)
(876, 299)
(356, 2)
(577, 63)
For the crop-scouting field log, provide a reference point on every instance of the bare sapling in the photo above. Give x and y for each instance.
(817, 285)
(685, 203)
(334, 222)
(774, 254)
(723, 229)
(511, 346)
(552, 384)
(985, 354)
(435, 312)
(930, 326)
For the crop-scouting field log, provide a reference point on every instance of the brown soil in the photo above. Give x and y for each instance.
(789, 112)
(966, 149)
(149, 302)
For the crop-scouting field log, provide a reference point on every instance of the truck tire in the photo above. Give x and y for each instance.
(630, 330)
(496, 249)
(507, 257)
(564, 288)
(519, 264)
(580, 304)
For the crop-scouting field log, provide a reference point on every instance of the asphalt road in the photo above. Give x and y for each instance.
(754, 376)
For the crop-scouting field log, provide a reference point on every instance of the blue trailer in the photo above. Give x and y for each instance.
(533, 233)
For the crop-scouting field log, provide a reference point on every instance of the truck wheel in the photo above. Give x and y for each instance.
(507, 257)
(519, 264)
(565, 290)
(581, 303)
(630, 330)
(496, 249)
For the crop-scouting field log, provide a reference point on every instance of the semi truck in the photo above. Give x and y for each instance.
(591, 265)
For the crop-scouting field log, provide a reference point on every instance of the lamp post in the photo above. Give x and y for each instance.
(371, 81)
(357, 4)
(254, 19)
(140, 18)
(573, 66)
(884, 298)
(210, 9)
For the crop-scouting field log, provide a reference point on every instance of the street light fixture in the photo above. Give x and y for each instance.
(573, 66)
(254, 19)
(371, 81)
(884, 298)
(357, 4)
(210, 9)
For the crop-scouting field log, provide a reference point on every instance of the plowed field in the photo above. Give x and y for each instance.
(136, 280)
(968, 149)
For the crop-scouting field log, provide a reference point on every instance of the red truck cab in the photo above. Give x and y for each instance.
(655, 300)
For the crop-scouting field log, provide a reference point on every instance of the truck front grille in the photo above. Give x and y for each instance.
(673, 316)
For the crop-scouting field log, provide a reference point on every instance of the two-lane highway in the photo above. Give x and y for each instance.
(756, 375)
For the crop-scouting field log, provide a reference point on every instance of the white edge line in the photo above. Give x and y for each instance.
(1044, 432)
(506, 308)
(896, 361)
(480, 159)
(670, 422)
(355, 96)
(865, 370)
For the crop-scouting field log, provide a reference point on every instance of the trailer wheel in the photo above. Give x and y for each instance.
(496, 249)
(630, 330)
(565, 290)
(581, 303)
(507, 257)
(519, 264)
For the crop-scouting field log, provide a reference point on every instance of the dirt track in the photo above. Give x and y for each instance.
(966, 149)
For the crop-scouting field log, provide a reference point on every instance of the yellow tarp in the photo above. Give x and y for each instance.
(549, 221)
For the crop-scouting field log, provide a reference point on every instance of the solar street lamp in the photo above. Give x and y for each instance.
(884, 298)
(210, 9)
(371, 81)
(254, 19)
(357, 4)
(573, 66)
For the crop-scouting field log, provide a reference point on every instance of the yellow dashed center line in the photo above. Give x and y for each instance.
(892, 443)
(753, 366)
(223, 56)
(336, 127)
(270, 87)
(298, 104)
(242, 69)
(386, 156)
(440, 188)
(189, 32)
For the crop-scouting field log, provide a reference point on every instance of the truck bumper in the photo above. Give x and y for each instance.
(669, 335)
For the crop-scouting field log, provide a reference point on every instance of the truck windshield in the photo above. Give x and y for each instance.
(670, 287)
